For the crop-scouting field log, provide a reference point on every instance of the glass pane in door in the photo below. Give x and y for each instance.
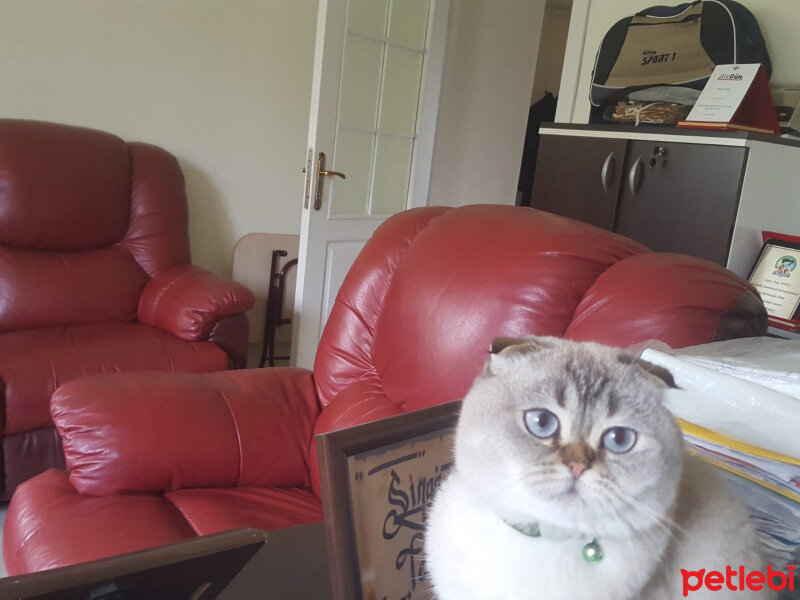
(361, 83)
(382, 69)
(401, 83)
(368, 17)
(354, 152)
(392, 171)
(408, 25)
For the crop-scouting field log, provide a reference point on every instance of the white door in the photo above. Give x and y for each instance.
(377, 73)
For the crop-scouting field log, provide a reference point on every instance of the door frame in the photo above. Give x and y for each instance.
(427, 115)
(573, 59)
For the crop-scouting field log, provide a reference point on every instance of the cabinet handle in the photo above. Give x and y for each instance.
(609, 167)
(635, 176)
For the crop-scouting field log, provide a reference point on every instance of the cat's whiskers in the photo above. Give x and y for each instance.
(620, 507)
(656, 536)
(544, 487)
(661, 519)
(623, 519)
(536, 498)
(426, 587)
(501, 484)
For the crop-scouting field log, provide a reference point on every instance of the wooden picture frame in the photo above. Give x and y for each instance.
(194, 568)
(389, 467)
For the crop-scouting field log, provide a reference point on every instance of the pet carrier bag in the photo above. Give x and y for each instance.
(673, 46)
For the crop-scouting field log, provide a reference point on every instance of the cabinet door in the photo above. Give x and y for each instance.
(679, 197)
(579, 177)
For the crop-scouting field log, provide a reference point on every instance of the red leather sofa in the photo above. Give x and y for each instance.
(95, 278)
(156, 458)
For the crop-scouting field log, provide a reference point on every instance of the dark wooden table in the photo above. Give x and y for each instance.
(292, 565)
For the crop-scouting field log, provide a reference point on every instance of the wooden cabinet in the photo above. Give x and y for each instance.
(705, 195)
(681, 197)
(579, 178)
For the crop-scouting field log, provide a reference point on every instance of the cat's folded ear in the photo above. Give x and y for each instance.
(524, 345)
(504, 347)
(656, 370)
(501, 343)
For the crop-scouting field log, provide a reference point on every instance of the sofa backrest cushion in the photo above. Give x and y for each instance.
(433, 287)
(158, 230)
(415, 315)
(676, 299)
(85, 220)
(62, 188)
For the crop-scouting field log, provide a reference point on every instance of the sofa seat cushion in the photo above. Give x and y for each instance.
(56, 526)
(211, 510)
(49, 289)
(34, 363)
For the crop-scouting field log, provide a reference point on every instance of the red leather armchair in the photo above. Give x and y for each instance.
(156, 458)
(95, 278)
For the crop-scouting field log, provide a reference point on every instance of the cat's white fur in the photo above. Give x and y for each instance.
(472, 551)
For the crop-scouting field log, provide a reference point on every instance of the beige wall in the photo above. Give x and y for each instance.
(486, 90)
(778, 19)
(223, 85)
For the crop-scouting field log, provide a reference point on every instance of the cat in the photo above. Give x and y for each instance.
(571, 482)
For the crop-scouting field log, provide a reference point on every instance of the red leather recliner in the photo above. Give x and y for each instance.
(95, 278)
(156, 458)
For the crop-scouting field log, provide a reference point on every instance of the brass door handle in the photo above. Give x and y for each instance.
(321, 172)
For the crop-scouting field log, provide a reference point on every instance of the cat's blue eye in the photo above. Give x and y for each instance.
(619, 439)
(541, 422)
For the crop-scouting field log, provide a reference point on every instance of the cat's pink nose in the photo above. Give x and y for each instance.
(577, 469)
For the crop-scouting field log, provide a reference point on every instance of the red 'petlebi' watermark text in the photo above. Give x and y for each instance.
(738, 579)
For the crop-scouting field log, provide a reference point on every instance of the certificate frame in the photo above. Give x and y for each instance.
(349, 456)
(776, 276)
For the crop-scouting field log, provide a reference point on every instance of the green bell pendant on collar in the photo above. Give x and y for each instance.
(593, 552)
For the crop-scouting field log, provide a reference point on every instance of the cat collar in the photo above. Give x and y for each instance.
(592, 551)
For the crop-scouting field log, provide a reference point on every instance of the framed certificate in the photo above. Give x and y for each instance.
(378, 481)
(776, 277)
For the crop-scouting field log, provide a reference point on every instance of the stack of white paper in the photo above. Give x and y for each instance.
(738, 404)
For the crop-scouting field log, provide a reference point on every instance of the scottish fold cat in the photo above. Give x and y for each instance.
(571, 482)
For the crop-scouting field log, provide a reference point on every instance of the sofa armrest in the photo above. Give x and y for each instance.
(361, 402)
(232, 334)
(156, 432)
(187, 301)
(677, 299)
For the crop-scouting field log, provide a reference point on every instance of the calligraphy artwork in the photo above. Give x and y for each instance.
(391, 492)
(378, 480)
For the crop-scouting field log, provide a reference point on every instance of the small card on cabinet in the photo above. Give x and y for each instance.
(736, 97)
